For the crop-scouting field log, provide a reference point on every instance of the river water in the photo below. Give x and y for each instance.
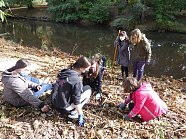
(169, 49)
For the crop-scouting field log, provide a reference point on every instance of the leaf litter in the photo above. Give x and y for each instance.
(103, 119)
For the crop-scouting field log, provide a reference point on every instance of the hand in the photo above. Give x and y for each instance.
(38, 87)
(122, 106)
(81, 120)
(45, 108)
(126, 117)
(148, 62)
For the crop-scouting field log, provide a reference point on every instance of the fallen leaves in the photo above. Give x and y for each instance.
(103, 119)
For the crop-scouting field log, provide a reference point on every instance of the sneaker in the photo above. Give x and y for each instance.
(98, 96)
(73, 115)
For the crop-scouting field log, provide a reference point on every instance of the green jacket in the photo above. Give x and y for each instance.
(142, 50)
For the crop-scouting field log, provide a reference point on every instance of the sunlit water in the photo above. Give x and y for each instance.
(169, 49)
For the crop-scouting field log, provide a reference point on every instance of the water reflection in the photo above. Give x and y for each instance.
(169, 49)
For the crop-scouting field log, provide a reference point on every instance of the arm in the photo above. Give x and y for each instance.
(147, 49)
(116, 42)
(125, 46)
(21, 88)
(140, 100)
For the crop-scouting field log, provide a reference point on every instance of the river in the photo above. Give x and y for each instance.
(169, 49)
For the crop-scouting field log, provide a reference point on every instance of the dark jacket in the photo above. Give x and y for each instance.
(143, 50)
(67, 89)
(17, 90)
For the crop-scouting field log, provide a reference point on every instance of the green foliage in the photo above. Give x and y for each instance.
(75, 10)
(99, 12)
(125, 23)
(164, 12)
(2, 13)
(64, 11)
(28, 3)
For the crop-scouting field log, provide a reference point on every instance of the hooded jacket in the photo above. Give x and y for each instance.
(17, 90)
(147, 103)
(67, 89)
(142, 50)
(123, 53)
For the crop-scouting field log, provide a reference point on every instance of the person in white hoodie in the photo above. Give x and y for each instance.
(19, 91)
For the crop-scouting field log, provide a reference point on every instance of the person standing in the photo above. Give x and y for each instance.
(123, 54)
(142, 52)
(69, 94)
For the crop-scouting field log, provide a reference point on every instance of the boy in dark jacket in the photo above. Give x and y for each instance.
(69, 94)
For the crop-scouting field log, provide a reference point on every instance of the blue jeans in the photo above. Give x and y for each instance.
(45, 86)
(138, 68)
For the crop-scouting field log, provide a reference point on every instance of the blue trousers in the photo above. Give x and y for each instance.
(138, 68)
(45, 86)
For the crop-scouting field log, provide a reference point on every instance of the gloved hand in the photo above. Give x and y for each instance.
(126, 117)
(122, 106)
(81, 120)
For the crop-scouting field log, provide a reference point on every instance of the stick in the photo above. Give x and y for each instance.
(115, 53)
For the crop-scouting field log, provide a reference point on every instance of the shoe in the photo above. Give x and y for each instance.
(73, 115)
(98, 96)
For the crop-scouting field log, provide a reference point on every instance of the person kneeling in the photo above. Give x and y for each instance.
(69, 94)
(146, 101)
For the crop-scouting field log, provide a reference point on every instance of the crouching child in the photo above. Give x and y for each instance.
(146, 101)
(94, 76)
(69, 94)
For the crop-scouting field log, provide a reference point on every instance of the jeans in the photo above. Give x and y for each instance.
(138, 66)
(45, 86)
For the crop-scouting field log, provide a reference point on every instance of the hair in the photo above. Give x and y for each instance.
(136, 33)
(130, 84)
(97, 58)
(81, 62)
(21, 63)
(123, 33)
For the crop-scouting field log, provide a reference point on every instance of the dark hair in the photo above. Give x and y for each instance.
(81, 62)
(130, 84)
(21, 63)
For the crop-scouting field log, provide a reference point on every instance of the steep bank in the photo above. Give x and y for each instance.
(102, 120)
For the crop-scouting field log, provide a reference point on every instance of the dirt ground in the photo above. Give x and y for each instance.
(103, 119)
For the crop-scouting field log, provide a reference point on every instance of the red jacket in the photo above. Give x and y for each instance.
(147, 103)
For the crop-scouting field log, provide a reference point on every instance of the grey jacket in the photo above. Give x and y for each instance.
(17, 90)
(123, 53)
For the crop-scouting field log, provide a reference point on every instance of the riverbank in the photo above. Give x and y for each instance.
(103, 120)
(40, 13)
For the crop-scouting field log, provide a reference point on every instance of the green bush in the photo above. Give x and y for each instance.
(100, 11)
(64, 11)
(124, 23)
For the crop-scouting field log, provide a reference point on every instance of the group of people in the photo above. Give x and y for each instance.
(70, 92)
(142, 52)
